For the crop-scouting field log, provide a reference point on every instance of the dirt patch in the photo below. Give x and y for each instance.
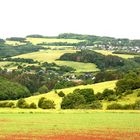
(4, 120)
(91, 135)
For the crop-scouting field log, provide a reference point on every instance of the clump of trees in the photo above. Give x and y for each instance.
(100, 60)
(7, 104)
(81, 99)
(130, 82)
(45, 103)
(12, 91)
(21, 103)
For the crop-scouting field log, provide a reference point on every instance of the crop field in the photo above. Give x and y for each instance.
(126, 56)
(70, 125)
(52, 40)
(52, 56)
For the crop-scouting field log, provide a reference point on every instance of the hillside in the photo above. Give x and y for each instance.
(52, 56)
(53, 96)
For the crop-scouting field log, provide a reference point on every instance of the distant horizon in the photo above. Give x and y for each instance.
(70, 33)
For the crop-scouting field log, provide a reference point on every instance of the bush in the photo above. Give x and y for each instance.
(128, 92)
(114, 106)
(43, 89)
(138, 95)
(72, 101)
(108, 94)
(94, 105)
(21, 103)
(121, 107)
(99, 96)
(33, 106)
(61, 94)
(137, 105)
(7, 104)
(46, 104)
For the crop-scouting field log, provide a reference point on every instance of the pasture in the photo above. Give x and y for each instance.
(125, 56)
(51, 40)
(70, 125)
(52, 56)
(14, 43)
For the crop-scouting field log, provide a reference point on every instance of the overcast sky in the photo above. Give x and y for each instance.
(116, 18)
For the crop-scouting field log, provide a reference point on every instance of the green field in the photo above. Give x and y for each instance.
(51, 40)
(52, 56)
(70, 125)
(126, 56)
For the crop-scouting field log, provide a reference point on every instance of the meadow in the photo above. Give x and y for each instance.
(51, 40)
(106, 52)
(52, 56)
(70, 125)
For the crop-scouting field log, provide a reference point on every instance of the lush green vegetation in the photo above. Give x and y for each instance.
(100, 60)
(12, 90)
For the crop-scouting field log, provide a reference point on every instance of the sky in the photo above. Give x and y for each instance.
(115, 18)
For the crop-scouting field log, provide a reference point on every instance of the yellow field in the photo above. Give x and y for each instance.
(51, 40)
(2, 64)
(14, 43)
(104, 52)
(52, 56)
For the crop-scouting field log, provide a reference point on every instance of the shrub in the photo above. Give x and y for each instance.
(94, 105)
(99, 96)
(72, 100)
(46, 104)
(61, 94)
(112, 98)
(114, 106)
(43, 89)
(108, 94)
(137, 105)
(127, 92)
(7, 104)
(21, 103)
(33, 106)
(138, 95)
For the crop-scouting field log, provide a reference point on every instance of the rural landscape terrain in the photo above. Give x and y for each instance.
(69, 87)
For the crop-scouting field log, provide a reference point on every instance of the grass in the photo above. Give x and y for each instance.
(52, 56)
(4, 63)
(51, 40)
(99, 87)
(14, 43)
(104, 52)
(104, 124)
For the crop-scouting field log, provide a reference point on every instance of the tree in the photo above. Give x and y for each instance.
(72, 100)
(46, 104)
(88, 94)
(61, 94)
(43, 89)
(33, 106)
(21, 103)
